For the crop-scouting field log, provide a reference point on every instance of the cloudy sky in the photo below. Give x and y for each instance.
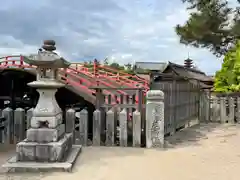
(123, 30)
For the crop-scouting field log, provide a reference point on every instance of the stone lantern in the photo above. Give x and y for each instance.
(46, 140)
(47, 113)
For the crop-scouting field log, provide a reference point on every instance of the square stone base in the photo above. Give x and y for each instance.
(67, 165)
(44, 152)
(45, 135)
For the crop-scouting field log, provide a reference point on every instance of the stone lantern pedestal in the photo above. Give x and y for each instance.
(46, 144)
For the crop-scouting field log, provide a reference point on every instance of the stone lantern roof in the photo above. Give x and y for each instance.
(47, 57)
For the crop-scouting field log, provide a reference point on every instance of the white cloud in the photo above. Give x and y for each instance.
(125, 31)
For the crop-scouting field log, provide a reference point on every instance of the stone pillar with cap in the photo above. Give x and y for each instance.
(155, 119)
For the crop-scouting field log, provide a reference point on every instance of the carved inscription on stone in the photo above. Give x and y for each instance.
(157, 136)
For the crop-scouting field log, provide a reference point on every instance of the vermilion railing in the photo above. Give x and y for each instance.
(65, 74)
(120, 77)
(85, 77)
(6, 62)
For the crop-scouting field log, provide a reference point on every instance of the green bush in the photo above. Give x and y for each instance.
(228, 78)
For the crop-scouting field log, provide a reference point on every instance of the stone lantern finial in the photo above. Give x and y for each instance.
(49, 45)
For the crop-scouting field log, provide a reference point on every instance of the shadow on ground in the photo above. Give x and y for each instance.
(193, 135)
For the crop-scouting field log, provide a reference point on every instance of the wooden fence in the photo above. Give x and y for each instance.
(223, 109)
(181, 101)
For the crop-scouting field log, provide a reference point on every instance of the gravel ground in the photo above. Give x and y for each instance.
(202, 152)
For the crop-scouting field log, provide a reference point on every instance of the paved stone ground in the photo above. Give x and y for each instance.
(202, 152)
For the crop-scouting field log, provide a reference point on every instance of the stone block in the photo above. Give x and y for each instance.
(53, 121)
(34, 123)
(42, 152)
(32, 135)
(59, 150)
(45, 134)
(26, 151)
(45, 152)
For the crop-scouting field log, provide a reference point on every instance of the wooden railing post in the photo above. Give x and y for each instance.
(95, 67)
(21, 60)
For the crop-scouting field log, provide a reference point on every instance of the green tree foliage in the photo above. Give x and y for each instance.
(212, 24)
(228, 78)
(126, 68)
(88, 64)
(117, 66)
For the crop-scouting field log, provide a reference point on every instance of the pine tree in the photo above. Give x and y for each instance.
(212, 25)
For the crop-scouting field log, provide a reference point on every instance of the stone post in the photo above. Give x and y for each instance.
(97, 120)
(29, 117)
(2, 127)
(123, 128)
(70, 122)
(83, 127)
(8, 125)
(155, 119)
(238, 110)
(110, 127)
(19, 124)
(137, 129)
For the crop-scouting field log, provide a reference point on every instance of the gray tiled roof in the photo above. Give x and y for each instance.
(190, 73)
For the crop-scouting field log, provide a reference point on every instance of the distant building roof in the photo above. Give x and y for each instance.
(194, 75)
(189, 73)
(154, 66)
